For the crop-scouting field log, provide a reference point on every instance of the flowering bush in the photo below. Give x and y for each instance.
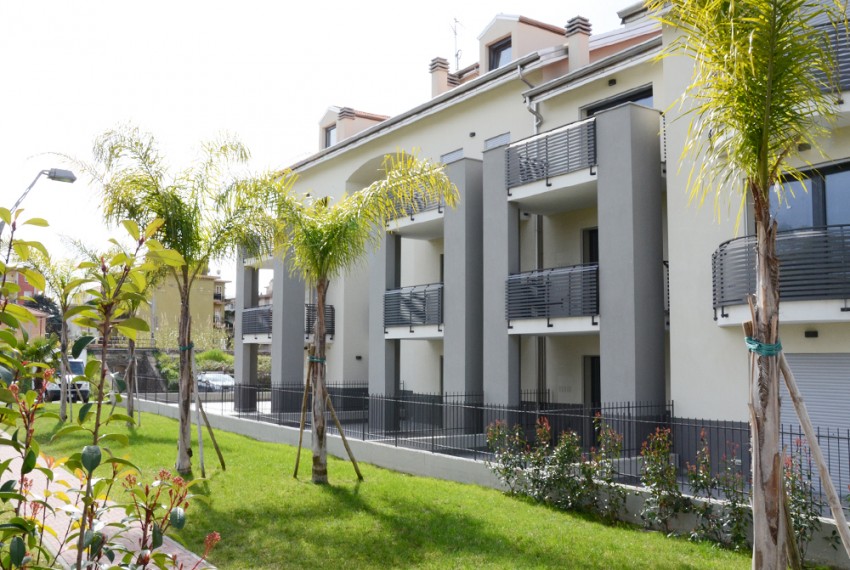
(664, 499)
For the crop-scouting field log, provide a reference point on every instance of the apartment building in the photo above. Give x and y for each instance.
(574, 268)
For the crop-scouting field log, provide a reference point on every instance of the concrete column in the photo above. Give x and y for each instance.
(384, 273)
(500, 254)
(245, 354)
(631, 289)
(462, 303)
(287, 346)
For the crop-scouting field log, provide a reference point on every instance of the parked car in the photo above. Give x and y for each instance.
(215, 382)
(77, 390)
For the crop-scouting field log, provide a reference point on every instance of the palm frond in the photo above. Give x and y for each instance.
(762, 84)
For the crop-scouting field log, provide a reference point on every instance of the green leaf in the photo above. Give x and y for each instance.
(120, 418)
(9, 338)
(35, 278)
(153, 227)
(40, 222)
(177, 518)
(72, 312)
(17, 551)
(118, 438)
(84, 412)
(120, 461)
(93, 369)
(29, 462)
(132, 228)
(156, 538)
(66, 430)
(135, 323)
(80, 344)
(90, 457)
(6, 215)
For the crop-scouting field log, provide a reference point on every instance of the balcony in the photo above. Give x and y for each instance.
(553, 301)
(425, 221)
(414, 312)
(257, 323)
(553, 171)
(814, 276)
(310, 316)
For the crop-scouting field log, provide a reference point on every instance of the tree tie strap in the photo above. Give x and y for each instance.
(190, 346)
(763, 349)
(317, 359)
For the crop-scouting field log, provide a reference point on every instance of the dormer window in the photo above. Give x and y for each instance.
(330, 136)
(500, 54)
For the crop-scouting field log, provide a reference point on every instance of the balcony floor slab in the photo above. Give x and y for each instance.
(572, 191)
(416, 332)
(791, 312)
(554, 326)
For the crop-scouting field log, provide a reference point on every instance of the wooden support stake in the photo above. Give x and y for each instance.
(212, 436)
(200, 433)
(303, 415)
(814, 446)
(342, 435)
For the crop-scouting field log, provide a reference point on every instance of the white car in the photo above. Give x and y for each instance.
(78, 390)
(215, 382)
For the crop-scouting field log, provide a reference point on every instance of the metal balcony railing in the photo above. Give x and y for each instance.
(311, 314)
(257, 320)
(417, 305)
(814, 264)
(559, 151)
(559, 292)
(422, 204)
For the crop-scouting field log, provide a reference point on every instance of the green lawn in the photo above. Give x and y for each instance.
(267, 519)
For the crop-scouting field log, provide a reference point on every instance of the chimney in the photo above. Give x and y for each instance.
(439, 69)
(578, 35)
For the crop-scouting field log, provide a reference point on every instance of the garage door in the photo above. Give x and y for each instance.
(824, 381)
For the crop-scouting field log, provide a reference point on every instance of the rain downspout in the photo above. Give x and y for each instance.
(529, 104)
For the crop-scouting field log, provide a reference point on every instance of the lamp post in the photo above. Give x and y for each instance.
(57, 174)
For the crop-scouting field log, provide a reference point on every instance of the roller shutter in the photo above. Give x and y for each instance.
(824, 381)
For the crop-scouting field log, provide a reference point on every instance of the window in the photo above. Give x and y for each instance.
(330, 136)
(821, 199)
(500, 54)
(641, 97)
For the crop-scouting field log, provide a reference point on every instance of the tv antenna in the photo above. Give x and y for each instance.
(457, 51)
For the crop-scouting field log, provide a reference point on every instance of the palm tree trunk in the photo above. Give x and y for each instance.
(320, 451)
(184, 396)
(769, 532)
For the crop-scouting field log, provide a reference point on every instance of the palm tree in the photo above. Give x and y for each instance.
(204, 217)
(320, 241)
(762, 85)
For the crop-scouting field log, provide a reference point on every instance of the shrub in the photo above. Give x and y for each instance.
(664, 500)
(508, 446)
(601, 474)
(803, 506)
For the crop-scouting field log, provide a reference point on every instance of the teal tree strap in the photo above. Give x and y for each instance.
(763, 349)
(189, 347)
(317, 359)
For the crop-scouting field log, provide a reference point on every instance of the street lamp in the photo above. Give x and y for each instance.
(58, 174)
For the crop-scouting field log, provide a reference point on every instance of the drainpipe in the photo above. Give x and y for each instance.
(530, 105)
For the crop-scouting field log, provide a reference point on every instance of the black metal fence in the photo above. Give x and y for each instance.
(558, 292)
(456, 424)
(559, 151)
(814, 265)
(417, 305)
(257, 320)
